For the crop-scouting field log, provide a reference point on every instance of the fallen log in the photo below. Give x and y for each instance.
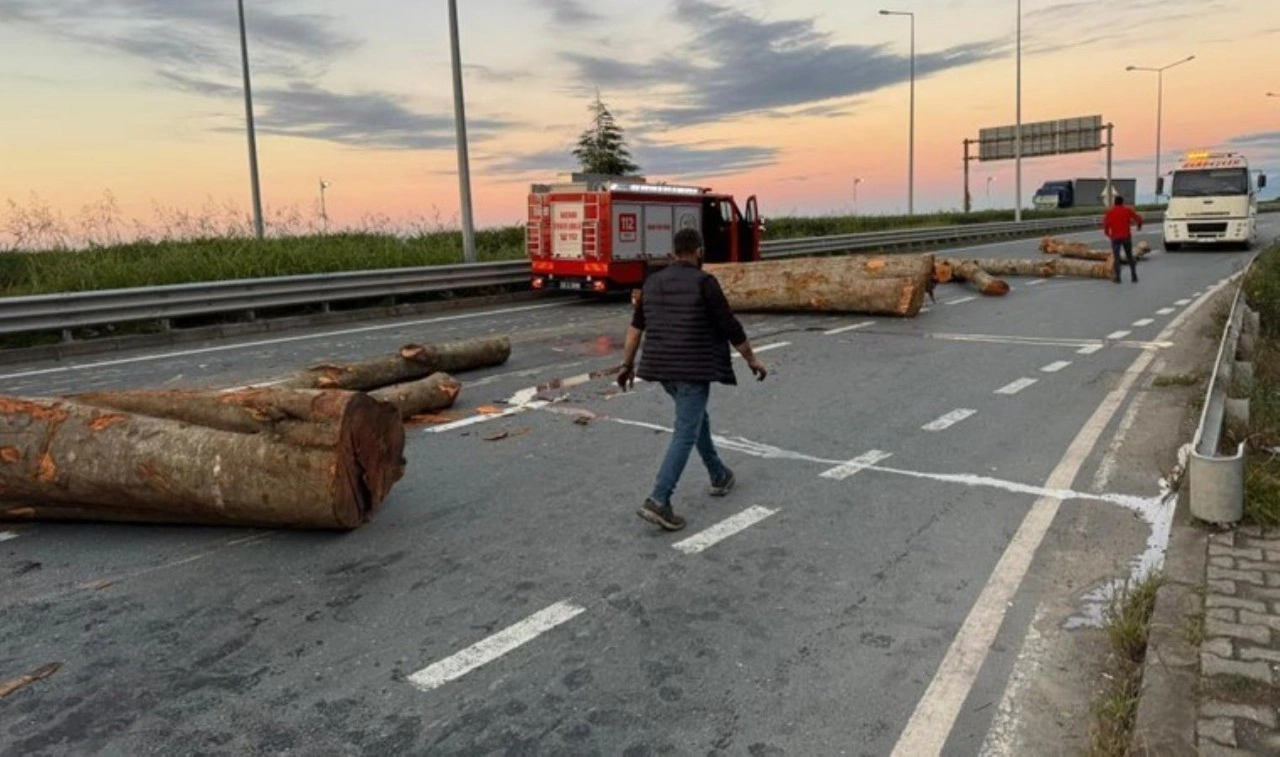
(410, 363)
(943, 271)
(874, 285)
(1086, 254)
(970, 271)
(274, 458)
(1043, 268)
(430, 395)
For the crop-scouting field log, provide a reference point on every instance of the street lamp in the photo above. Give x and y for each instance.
(248, 116)
(911, 148)
(324, 213)
(460, 119)
(989, 180)
(856, 182)
(1159, 107)
(1017, 129)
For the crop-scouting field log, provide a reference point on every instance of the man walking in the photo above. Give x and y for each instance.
(687, 326)
(1116, 225)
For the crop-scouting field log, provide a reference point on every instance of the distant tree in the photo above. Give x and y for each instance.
(602, 148)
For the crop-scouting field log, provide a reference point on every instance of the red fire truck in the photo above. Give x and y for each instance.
(594, 233)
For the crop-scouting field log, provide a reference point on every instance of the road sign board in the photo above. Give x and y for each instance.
(1060, 137)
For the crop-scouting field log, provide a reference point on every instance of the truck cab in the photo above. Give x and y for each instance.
(1212, 201)
(1054, 195)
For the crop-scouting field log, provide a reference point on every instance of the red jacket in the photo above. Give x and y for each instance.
(1116, 223)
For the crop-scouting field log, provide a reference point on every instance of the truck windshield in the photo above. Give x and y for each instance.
(1228, 181)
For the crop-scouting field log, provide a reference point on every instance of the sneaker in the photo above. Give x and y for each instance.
(721, 488)
(661, 515)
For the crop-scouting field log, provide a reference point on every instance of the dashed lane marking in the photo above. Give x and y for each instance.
(1055, 366)
(1165, 311)
(7, 535)
(765, 348)
(1036, 282)
(960, 301)
(1089, 349)
(853, 327)
(723, 530)
(1182, 303)
(856, 465)
(485, 418)
(1143, 322)
(1016, 386)
(948, 420)
(1118, 334)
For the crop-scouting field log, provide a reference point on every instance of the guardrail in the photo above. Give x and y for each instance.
(71, 310)
(1217, 477)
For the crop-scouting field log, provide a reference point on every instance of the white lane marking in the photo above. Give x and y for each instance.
(960, 301)
(278, 340)
(935, 714)
(853, 327)
(1017, 386)
(948, 420)
(486, 417)
(1118, 334)
(723, 530)
(1036, 282)
(1182, 303)
(765, 348)
(487, 650)
(859, 463)
(1004, 339)
(1165, 311)
(1089, 349)
(1143, 322)
(1055, 366)
(7, 535)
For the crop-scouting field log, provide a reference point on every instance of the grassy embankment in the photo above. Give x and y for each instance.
(1262, 455)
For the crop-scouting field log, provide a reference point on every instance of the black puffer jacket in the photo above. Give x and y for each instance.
(688, 327)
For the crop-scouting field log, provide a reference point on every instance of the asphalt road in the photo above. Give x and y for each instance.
(507, 600)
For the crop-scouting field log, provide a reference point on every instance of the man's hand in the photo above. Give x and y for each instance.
(627, 377)
(758, 368)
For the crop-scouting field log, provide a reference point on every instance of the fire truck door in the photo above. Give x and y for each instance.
(716, 242)
(750, 232)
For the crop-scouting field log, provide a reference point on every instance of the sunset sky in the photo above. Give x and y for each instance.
(786, 100)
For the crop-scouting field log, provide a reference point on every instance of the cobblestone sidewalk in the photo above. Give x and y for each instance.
(1240, 651)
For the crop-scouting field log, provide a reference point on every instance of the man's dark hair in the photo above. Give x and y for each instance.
(687, 242)
(1119, 200)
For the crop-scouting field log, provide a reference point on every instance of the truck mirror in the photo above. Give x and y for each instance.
(1159, 186)
(1262, 181)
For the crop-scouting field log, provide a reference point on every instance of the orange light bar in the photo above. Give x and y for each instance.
(596, 269)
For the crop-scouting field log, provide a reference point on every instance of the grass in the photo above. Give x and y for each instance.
(47, 253)
(1127, 622)
(1262, 463)
(1176, 379)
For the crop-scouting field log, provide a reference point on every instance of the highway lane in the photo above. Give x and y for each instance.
(814, 629)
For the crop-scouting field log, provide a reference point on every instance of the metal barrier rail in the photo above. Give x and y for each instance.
(1217, 477)
(65, 311)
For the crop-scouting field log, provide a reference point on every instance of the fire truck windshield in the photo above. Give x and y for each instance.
(1211, 183)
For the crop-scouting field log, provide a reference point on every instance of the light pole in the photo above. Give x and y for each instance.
(324, 213)
(248, 117)
(1272, 94)
(989, 180)
(911, 148)
(1159, 107)
(856, 182)
(460, 119)
(1017, 131)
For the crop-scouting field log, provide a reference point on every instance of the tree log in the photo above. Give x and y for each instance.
(67, 459)
(1045, 268)
(875, 284)
(411, 362)
(970, 271)
(430, 395)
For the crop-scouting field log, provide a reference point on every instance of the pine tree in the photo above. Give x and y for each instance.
(602, 148)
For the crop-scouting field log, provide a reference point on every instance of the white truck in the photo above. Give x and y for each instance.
(1211, 201)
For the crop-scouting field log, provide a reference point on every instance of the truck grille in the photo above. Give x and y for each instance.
(1207, 228)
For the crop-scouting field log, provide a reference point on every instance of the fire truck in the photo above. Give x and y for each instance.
(595, 233)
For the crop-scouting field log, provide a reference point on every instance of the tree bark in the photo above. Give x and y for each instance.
(411, 362)
(876, 285)
(275, 458)
(430, 395)
(970, 271)
(1043, 268)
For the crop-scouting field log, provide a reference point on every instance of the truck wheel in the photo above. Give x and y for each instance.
(1172, 246)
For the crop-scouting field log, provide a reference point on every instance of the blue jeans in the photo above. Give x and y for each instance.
(1125, 245)
(692, 429)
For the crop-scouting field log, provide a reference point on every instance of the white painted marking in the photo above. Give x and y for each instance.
(485, 418)
(765, 348)
(723, 530)
(935, 714)
(1165, 311)
(857, 464)
(1118, 334)
(1056, 366)
(278, 340)
(960, 301)
(1143, 322)
(948, 420)
(1182, 303)
(1036, 282)
(1016, 386)
(854, 327)
(1089, 349)
(7, 535)
(1004, 339)
(487, 650)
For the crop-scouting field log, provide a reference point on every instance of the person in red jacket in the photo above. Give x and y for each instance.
(1116, 225)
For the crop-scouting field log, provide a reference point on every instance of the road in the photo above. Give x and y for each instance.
(863, 588)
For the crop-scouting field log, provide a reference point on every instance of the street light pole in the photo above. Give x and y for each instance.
(1159, 72)
(324, 212)
(248, 116)
(460, 119)
(856, 182)
(1017, 133)
(911, 144)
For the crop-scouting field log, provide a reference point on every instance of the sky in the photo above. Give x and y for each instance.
(141, 101)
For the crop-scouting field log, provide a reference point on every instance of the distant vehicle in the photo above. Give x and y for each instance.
(594, 233)
(1081, 193)
(1211, 201)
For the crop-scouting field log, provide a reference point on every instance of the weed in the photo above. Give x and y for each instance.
(1127, 622)
(1177, 379)
(1193, 629)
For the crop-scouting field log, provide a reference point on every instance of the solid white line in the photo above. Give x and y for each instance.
(948, 420)
(1165, 311)
(1118, 334)
(960, 301)
(485, 651)
(1089, 349)
(485, 418)
(859, 463)
(765, 348)
(854, 327)
(278, 340)
(935, 715)
(1143, 322)
(1182, 303)
(1004, 339)
(1055, 367)
(7, 535)
(723, 530)
(1016, 386)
